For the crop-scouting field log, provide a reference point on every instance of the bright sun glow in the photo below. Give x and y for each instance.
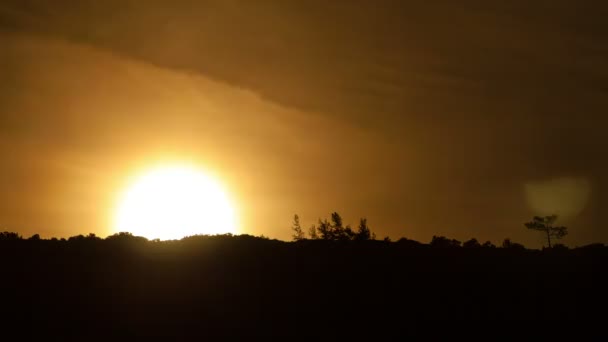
(173, 202)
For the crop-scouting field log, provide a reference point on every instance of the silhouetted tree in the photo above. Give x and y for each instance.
(507, 243)
(324, 230)
(77, 238)
(312, 232)
(120, 235)
(127, 238)
(82, 239)
(545, 224)
(488, 244)
(9, 236)
(93, 237)
(405, 242)
(298, 233)
(35, 237)
(560, 247)
(363, 232)
(473, 243)
(442, 241)
(336, 220)
(349, 233)
(338, 231)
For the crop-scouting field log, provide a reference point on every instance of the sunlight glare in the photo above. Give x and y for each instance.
(174, 202)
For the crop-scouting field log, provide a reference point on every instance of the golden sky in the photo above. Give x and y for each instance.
(429, 119)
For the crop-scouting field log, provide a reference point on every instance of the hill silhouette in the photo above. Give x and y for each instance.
(242, 286)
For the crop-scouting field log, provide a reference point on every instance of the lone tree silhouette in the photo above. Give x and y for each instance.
(545, 224)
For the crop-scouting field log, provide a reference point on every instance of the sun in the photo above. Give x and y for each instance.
(173, 202)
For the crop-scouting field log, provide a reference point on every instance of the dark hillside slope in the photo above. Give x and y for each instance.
(246, 286)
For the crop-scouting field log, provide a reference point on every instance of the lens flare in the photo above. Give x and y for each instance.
(566, 197)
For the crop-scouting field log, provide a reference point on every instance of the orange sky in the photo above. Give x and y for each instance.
(437, 120)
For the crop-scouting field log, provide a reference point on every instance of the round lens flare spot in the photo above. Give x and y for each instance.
(566, 197)
(173, 202)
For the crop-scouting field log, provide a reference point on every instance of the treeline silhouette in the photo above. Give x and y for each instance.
(342, 284)
(335, 230)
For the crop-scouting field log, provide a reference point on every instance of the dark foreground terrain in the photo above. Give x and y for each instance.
(220, 287)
